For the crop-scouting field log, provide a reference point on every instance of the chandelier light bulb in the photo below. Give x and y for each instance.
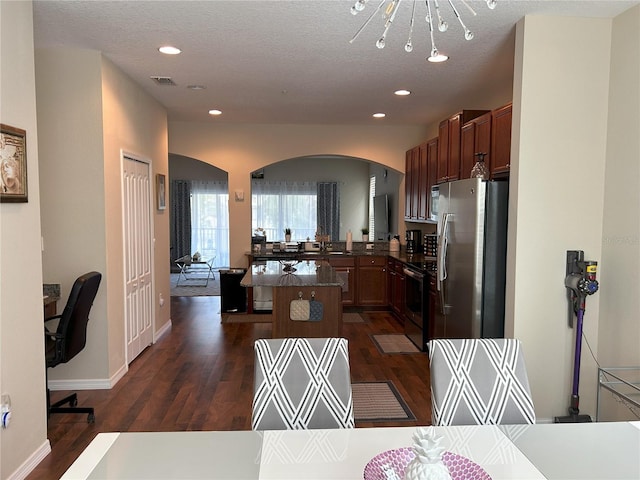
(492, 4)
(442, 25)
(380, 43)
(408, 47)
(468, 34)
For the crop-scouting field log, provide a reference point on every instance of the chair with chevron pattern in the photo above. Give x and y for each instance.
(302, 383)
(479, 382)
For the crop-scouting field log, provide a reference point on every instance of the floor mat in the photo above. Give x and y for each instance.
(194, 287)
(394, 343)
(379, 402)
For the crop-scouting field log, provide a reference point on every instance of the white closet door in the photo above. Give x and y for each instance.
(137, 256)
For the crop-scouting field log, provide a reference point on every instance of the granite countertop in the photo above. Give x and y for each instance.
(294, 273)
(50, 293)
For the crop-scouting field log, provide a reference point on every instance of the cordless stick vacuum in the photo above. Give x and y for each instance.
(580, 282)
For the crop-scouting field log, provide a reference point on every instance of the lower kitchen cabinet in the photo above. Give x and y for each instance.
(346, 267)
(371, 284)
(396, 287)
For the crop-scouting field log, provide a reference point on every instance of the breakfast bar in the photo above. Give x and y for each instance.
(307, 296)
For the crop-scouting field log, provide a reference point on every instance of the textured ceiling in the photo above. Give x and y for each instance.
(274, 61)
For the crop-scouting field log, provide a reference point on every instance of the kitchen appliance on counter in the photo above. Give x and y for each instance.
(430, 244)
(471, 260)
(413, 240)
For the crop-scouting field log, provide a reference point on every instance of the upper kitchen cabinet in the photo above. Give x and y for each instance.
(420, 168)
(500, 160)
(416, 172)
(449, 144)
(431, 166)
(475, 139)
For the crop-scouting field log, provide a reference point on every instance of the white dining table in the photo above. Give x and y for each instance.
(552, 451)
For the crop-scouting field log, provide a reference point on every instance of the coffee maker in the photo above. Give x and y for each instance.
(413, 240)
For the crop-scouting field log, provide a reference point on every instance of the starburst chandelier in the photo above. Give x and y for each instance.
(392, 7)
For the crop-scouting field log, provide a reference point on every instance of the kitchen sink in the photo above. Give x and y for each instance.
(335, 253)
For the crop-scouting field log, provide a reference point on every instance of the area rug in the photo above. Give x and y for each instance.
(194, 288)
(246, 318)
(352, 317)
(379, 402)
(394, 343)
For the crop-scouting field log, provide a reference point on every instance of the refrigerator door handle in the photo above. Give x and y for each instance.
(442, 251)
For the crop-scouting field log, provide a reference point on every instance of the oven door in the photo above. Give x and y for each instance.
(415, 307)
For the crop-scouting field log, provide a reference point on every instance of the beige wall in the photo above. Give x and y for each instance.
(22, 374)
(619, 326)
(240, 149)
(136, 124)
(88, 116)
(560, 110)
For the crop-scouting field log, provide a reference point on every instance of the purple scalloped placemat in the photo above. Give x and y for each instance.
(460, 468)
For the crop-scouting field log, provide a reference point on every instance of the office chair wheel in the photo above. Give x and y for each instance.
(91, 418)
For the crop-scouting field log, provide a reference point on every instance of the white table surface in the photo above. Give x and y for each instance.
(343, 454)
(581, 451)
(302, 454)
(604, 451)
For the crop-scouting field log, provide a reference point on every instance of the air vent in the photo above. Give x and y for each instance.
(167, 81)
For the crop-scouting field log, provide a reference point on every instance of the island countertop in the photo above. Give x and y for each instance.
(291, 273)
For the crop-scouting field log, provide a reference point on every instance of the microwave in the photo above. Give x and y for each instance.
(434, 199)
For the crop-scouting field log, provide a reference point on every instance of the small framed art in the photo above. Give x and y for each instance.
(13, 164)
(161, 189)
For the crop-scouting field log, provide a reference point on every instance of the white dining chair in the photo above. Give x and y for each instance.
(479, 382)
(302, 383)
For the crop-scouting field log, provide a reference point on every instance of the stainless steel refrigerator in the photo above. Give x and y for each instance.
(471, 261)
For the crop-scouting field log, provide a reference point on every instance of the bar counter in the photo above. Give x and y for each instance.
(294, 280)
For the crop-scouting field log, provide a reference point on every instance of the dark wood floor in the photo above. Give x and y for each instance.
(199, 376)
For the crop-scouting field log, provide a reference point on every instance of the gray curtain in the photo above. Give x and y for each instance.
(180, 221)
(329, 210)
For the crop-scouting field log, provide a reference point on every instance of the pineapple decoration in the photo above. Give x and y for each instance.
(427, 464)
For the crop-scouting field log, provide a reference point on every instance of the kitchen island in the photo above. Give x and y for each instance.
(315, 282)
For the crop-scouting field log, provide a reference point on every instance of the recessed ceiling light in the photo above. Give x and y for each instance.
(438, 58)
(379, 115)
(169, 50)
(402, 93)
(215, 112)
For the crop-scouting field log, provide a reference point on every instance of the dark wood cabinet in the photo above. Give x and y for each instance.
(371, 283)
(475, 138)
(346, 267)
(421, 186)
(500, 161)
(420, 174)
(415, 173)
(449, 144)
(396, 287)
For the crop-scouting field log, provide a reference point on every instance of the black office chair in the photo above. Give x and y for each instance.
(70, 337)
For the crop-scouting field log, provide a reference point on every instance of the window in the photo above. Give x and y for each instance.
(279, 205)
(210, 221)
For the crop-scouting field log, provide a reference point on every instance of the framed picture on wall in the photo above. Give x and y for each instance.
(161, 190)
(13, 164)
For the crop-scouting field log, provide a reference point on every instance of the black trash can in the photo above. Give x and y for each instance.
(234, 296)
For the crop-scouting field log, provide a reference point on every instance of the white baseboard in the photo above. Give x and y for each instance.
(164, 329)
(32, 462)
(89, 383)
